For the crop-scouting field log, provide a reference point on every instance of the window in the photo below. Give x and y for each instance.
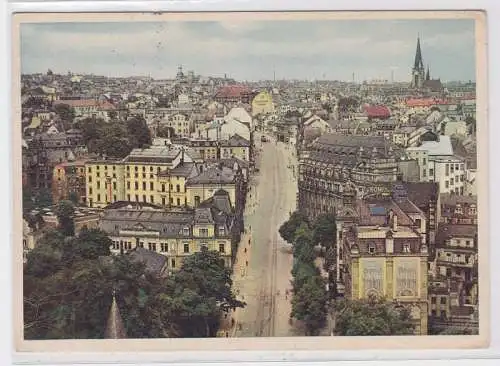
(114, 198)
(222, 248)
(185, 231)
(418, 223)
(171, 187)
(196, 200)
(424, 173)
(163, 187)
(371, 249)
(114, 185)
(152, 199)
(90, 170)
(136, 168)
(143, 168)
(136, 198)
(467, 243)
(152, 246)
(447, 169)
(128, 185)
(447, 184)
(186, 248)
(164, 247)
(136, 185)
(456, 167)
(98, 174)
(424, 161)
(204, 232)
(141, 244)
(163, 201)
(151, 186)
(170, 200)
(222, 231)
(451, 181)
(178, 201)
(177, 188)
(98, 197)
(431, 172)
(128, 197)
(98, 185)
(90, 190)
(443, 300)
(433, 300)
(90, 179)
(144, 198)
(105, 167)
(406, 248)
(143, 186)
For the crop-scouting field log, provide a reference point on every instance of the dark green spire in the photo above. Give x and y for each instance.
(419, 64)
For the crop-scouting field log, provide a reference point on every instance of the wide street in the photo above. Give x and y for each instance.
(264, 261)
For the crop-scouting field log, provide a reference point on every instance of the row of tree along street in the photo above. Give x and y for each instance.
(69, 283)
(311, 302)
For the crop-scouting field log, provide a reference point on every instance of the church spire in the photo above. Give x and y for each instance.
(419, 64)
(115, 328)
(428, 74)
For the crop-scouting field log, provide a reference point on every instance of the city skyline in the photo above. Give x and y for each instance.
(253, 50)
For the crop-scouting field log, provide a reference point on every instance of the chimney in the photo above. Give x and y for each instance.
(395, 223)
(389, 243)
(182, 155)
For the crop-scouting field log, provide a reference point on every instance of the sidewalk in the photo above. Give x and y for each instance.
(229, 324)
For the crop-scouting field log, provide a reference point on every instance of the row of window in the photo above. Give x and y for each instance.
(127, 245)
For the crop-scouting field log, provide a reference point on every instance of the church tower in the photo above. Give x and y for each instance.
(418, 71)
(115, 328)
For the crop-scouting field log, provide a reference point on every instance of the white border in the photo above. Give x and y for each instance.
(467, 356)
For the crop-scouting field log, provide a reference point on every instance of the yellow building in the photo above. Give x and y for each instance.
(262, 103)
(237, 147)
(105, 182)
(207, 149)
(162, 176)
(212, 179)
(174, 233)
(388, 260)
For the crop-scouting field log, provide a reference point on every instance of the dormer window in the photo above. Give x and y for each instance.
(185, 231)
(406, 248)
(371, 248)
(222, 231)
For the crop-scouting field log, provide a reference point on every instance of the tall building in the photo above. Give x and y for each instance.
(420, 78)
(418, 71)
(334, 164)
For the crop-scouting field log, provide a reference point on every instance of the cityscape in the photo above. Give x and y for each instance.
(254, 179)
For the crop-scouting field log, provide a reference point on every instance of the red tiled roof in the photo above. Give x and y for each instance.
(232, 91)
(377, 111)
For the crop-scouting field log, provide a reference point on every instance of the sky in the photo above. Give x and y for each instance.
(252, 50)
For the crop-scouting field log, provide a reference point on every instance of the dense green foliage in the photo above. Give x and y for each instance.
(309, 301)
(288, 228)
(65, 212)
(116, 138)
(324, 230)
(372, 317)
(68, 283)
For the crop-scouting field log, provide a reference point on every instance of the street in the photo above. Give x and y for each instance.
(264, 261)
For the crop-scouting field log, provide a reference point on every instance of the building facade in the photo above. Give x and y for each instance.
(334, 162)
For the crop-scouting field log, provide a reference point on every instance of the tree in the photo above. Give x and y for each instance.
(301, 273)
(65, 113)
(65, 212)
(309, 305)
(73, 198)
(372, 317)
(199, 293)
(288, 228)
(92, 244)
(138, 132)
(324, 230)
(303, 246)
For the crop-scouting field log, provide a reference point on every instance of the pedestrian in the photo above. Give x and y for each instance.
(245, 250)
(232, 322)
(246, 263)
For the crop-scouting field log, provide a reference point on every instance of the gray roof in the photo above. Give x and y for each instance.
(154, 262)
(353, 141)
(236, 140)
(213, 175)
(153, 155)
(181, 170)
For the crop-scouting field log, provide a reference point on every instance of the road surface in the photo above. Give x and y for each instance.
(264, 261)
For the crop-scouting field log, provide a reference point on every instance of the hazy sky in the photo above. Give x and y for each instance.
(331, 49)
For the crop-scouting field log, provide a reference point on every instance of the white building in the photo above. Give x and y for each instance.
(438, 164)
(241, 115)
